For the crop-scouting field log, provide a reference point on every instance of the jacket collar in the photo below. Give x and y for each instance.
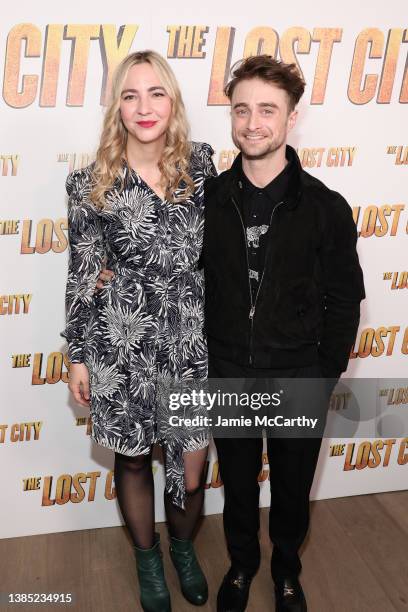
(230, 185)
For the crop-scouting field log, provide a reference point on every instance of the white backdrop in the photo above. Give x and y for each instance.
(351, 133)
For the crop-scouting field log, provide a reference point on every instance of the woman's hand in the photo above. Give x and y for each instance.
(104, 277)
(79, 383)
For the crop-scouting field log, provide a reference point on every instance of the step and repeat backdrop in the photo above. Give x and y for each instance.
(56, 65)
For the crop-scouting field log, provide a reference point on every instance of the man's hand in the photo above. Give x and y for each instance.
(104, 277)
(79, 383)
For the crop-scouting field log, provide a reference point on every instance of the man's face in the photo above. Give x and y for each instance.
(261, 118)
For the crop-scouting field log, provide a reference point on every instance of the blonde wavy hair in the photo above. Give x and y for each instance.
(111, 152)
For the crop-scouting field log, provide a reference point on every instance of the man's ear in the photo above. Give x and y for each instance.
(292, 119)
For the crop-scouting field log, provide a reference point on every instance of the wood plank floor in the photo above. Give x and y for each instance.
(355, 559)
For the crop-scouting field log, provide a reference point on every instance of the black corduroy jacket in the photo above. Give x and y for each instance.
(307, 308)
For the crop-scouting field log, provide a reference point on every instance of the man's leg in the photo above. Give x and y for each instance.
(240, 462)
(292, 464)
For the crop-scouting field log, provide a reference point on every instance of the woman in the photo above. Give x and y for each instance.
(140, 207)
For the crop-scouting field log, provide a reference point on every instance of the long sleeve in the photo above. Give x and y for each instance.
(208, 164)
(209, 172)
(86, 252)
(344, 289)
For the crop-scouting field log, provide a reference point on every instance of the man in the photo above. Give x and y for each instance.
(283, 291)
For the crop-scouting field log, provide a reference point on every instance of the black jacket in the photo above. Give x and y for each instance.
(308, 303)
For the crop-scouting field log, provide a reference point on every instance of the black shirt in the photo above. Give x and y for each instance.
(257, 205)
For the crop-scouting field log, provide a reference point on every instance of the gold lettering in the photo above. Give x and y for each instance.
(77, 497)
(3, 433)
(292, 36)
(261, 40)
(114, 47)
(389, 444)
(81, 35)
(403, 458)
(220, 67)
(349, 456)
(326, 37)
(110, 491)
(51, 65)
(36, 378)
(404, 87)
(397, 208)
(390, 65)
(171, 47)
(26, 249)
(373, 38)
(31, 36)
(60, 227)
(92, 484)
(198, 42)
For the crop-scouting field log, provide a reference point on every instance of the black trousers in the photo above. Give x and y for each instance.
(292, 464)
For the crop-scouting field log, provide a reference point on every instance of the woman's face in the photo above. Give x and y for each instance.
(145, 106)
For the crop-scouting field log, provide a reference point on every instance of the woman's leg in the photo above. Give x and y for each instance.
(135, 492)
(181, 527)
(182, 522)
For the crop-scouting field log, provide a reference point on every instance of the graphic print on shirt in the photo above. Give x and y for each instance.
(254, 233)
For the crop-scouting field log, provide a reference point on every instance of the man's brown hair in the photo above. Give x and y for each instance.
(270, 70)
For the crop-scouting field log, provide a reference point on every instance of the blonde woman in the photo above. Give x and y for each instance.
(139, 208)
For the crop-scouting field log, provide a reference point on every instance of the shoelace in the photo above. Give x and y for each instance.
(239, 582)
(288, 591)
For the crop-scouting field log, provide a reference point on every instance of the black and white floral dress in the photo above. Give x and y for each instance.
(143, 332)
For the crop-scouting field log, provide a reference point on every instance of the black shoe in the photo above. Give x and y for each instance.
(234, 591)
(289, 596)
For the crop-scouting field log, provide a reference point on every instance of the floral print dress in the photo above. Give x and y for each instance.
(142, 335)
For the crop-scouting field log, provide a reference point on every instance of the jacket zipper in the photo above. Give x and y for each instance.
(247, 258)
(253, 303)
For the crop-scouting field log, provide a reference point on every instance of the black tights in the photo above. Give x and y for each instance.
(135, 492)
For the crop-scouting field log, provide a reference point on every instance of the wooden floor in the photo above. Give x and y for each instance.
(355, 559)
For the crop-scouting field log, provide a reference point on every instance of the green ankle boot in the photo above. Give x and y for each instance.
(192, 580)
(154, 594)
